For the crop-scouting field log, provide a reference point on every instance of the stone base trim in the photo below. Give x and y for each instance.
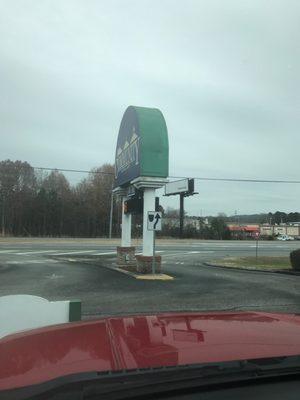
(126, 257)
(144, 264)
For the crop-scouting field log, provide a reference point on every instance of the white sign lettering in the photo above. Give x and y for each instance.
(128, 155)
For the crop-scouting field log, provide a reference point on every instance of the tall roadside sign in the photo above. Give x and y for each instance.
(142, 146)
(141, 165)
(183, 188)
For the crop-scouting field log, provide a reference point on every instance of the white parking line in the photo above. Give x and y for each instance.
(184, 253)
(54, 276)
(73, 252)
(104, 254)
(8, 251)
(156, 251)
(35, 252)
(200, 252)
(30, 262)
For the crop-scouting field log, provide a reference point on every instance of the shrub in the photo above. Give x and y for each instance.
(295, 259)
(271, 237)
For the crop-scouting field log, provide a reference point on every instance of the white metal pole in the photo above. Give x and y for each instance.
(126, 227)
(153, 260)
(149, 205)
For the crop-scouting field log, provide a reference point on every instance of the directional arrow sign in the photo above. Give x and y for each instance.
(154, 221)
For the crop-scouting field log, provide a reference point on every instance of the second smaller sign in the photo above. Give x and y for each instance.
(154, 221)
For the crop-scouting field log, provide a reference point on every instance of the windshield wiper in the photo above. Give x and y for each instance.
(123, 384)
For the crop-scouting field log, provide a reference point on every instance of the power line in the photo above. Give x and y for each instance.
(180, 177)
(238, 180)
(73, 170)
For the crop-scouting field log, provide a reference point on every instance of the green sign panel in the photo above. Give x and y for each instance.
(142, 146)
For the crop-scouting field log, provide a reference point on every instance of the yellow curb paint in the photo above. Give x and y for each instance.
(155, 277)
(147, 277)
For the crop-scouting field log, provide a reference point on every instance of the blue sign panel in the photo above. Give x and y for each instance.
(127, 161)
(142, 146)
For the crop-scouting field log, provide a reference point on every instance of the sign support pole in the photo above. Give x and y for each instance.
(181, 215)
(126, 227)
(111, 212)
(149, 205)
(153, 259)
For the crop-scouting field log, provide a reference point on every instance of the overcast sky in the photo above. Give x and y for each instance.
(225, 74)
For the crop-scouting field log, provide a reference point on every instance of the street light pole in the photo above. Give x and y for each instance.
(3, 219)
(181, 215)
(111, 212)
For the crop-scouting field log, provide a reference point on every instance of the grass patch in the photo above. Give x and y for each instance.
(271, 263)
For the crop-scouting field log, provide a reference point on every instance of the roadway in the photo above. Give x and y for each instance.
(57, 269)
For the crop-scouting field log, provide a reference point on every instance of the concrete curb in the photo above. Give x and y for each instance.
(146, 277)
(113, 267)
(280, 271)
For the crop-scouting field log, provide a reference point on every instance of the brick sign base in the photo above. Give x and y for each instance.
(126, 257)
(144, 264)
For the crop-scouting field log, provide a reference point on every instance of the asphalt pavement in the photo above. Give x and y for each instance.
(83, 269)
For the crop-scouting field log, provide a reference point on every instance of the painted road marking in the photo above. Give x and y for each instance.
(146, 277)
(16, 262)
(104, 254)
(154, 277)
(73, 252)
(54, 276)
(45, 261)
(200, 252)
(156, 251)
(8, 251)
(35, 252)
(186, 253)
(30, 262)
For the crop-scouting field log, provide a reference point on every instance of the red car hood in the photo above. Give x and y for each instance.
(131, 342)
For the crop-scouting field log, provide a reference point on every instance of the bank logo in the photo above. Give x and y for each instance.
(128, 155)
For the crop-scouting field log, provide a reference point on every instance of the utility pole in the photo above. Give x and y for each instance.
(3, 218)
(181, 215)
(237, 218)
(111, 212)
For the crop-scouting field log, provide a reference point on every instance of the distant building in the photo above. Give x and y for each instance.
(290, 229)
(194, 222)
(248, 231)
(243, 231)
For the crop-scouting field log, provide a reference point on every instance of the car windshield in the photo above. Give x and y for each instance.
(149, 181)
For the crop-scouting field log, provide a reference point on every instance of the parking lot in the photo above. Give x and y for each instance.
(83, 269)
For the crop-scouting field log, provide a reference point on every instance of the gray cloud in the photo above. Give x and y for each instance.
(225, 75)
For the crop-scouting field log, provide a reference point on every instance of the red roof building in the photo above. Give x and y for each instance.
(244, 231)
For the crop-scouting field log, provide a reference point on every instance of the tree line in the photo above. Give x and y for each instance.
(216, 229)
(34, 203)
(277, 218)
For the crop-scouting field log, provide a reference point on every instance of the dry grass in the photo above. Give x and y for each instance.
(268, 263)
